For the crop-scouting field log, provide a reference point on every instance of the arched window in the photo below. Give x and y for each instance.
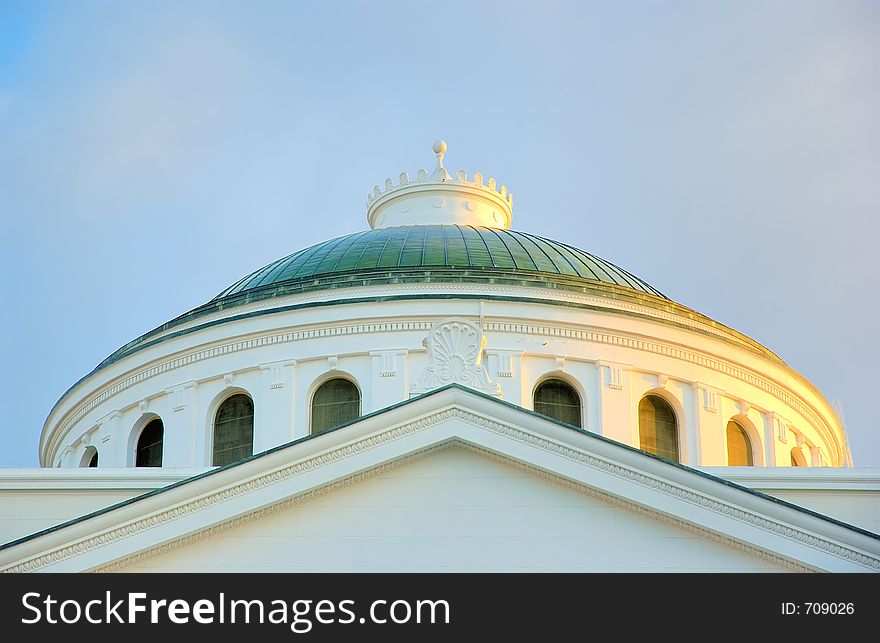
(559, 400)
(90, 458)
(149, 446)
(336, 402)
(797, 458)
(233, 430)
(739, 446)
(658, 428)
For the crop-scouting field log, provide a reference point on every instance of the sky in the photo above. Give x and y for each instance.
(152, 153)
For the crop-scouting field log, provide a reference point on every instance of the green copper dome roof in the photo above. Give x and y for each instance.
(442, 253)
(435, 253)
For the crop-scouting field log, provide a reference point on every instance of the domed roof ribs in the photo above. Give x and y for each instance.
(324, 258)
(390, 256)
(543, 258)
(361, 256)
(278, 269)
(642, 284)
(372, 252)
(564, 266)
(485, 245)
(254, 277)
(339, 266)
(388, 233)
(434, 251)
(628, 279)
(423, 245)
(234, 287)
(303, 257)
(613, 275)
(515, 256)
(464, 241)
(583, 268)
(501, 256)
(597, 264)
(454, 247)
(409, 230)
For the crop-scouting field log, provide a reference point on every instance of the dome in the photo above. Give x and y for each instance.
(439, 253)
(422, 254)
(440, 290)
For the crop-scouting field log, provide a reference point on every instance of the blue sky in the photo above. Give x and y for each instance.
(152, 153)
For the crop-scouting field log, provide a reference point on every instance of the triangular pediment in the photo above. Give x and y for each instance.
(455, 430)
(454, 507)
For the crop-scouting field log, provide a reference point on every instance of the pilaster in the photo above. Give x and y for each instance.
(615, 403)
(180, 426)
(273, 414)
(388, 378)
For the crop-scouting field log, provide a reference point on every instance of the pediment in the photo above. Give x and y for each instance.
(452, 508)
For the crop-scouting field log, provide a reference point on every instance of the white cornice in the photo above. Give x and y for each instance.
(801, 478)
(69, 479)
(531, 292)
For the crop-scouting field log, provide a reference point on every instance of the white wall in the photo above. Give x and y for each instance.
(454, 511)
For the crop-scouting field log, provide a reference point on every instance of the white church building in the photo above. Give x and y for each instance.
(440, 392)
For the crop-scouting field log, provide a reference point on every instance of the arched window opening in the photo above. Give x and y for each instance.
(335, 402)
(658, 428)
(559, 400)
(149, 446)
(233, 430)
(797, 458)
(739, 446)
(90, 458)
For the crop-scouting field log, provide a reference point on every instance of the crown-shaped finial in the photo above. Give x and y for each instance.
(440, 198)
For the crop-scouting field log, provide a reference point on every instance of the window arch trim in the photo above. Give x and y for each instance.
(207, 448)
(213, 410)
(575, 386)
(321, 381)
(161, 428)
(756, 443)
(677, 414)
(134, 437)
(90, 452)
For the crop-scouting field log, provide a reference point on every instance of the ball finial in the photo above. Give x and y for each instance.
(440, 147)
